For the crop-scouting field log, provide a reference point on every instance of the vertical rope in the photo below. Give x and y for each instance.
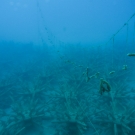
(134, 37)
(105, 55)
(126, 45)
(113, 53)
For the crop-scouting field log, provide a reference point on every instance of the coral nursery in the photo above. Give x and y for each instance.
(53, 91)
(67, 67)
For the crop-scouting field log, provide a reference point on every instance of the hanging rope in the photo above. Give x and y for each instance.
(125, 58)
(126, 45)
(134, 37)
(132, 54)
(112, 72)
(113, 54)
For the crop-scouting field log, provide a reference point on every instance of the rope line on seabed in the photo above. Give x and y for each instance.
(120, 29)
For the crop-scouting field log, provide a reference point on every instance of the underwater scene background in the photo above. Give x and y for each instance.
(67, 67)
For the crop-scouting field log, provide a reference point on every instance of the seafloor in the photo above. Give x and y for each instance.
(66, 90)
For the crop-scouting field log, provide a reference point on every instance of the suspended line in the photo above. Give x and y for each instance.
(120, 28)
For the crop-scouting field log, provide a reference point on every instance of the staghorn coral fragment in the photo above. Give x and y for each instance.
(97, 74)
(124, 67)
(131, 54)
(112, 72)
(104, 86)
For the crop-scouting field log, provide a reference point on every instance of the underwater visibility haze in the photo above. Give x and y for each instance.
(67, 67)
